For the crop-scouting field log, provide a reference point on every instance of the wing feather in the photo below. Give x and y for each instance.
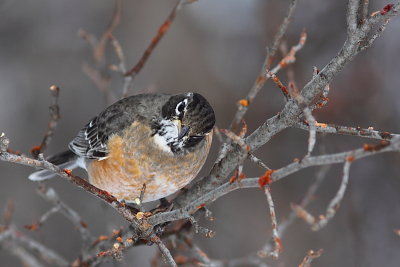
(91, 141)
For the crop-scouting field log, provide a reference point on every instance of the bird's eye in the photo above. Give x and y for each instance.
(181, 106)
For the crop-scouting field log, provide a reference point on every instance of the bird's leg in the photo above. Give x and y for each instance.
(164, 205)
(137, 203)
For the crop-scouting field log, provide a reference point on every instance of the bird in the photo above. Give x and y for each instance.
(154, 141)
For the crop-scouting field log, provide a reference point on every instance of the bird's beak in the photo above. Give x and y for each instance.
(182, 129)
(183, 132)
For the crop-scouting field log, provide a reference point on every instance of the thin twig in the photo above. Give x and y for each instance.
(51, 195)
(275, 235)
(311, 255)
(258, 161)
(121, 66)
(283, 226)
(264, 75)
(26, 258)
(322, 220)
(54, 110)
(43, 218)
(99, 74)
(312, 132)
(8, 213)
(346, 130)
(101, 80)
(156, 39)
(99, 49)
(45, 253)
(294, 93)
(335, 202)
(164, 251)
(199, 229)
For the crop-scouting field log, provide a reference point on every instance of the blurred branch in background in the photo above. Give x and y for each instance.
(172, 229)
(52, 125)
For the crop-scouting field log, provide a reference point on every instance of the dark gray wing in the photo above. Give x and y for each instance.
(91, 141)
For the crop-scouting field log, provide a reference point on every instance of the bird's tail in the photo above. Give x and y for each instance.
(65, 160)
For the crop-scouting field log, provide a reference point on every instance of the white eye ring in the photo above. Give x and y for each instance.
(184, 103)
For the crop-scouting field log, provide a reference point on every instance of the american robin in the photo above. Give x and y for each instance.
(159, 140)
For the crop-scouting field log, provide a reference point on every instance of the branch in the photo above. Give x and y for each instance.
(52, 125)
(275, 235)
(99, 74)
(33, 246)
(264, 75)
(156, 39)
(352, 16)
(99, 49)
(290, 113)
(121, 66)
(51, 195)
(345, 130)
(164, 251)
(202, 200)
(321, 175)
(311, 255)
(26, 258)
(124, 210)
(322, 221)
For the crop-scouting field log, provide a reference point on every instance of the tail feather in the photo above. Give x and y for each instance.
(65, 160)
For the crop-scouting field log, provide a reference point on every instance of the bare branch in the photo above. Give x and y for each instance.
(314, 88)
(200, 229)
(271, 51)
(278, 174)
(118, 243)
(99, 74)
(52, 125)
(51, 195)
(320, 176)
(322, 220)
(26, 258)
(294, 93)
(8, 214)
(258, 161)
(335, 202)
(101, 81)
(99, 49)
(377, 34)
(124, 210)
(43, 219)
(312, 132)
(264, 75)
(352, 15)
(275, 235)
(164, 251)
(122, 65)
(32, 246)
(345, 130)
(311, 255)
(363, 13)
(156, 39)
(323, 99)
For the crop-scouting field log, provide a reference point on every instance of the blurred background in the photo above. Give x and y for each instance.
(215, 48)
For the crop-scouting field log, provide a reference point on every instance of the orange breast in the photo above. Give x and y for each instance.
(134, 159)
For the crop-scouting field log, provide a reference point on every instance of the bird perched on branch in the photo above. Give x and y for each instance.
(158, 140)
